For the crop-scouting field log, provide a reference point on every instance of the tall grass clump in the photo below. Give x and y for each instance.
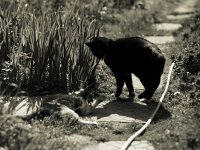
(46, 51)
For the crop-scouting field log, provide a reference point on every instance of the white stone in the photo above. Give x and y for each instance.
(187, 7)
(167, 26)
(123, 111)
(179, 17)
(116, 145)
(160, 39)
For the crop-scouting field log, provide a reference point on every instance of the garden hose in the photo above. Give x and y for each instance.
(130, 140)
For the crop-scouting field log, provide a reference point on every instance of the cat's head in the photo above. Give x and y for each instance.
(99, 46)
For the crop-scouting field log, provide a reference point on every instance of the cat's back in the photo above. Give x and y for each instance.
(133, 42)
(134, 45)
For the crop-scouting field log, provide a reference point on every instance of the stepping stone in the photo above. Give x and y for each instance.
(179, 16)
(184, 10)
(167, 26)
(188, 7)
(116, 145)
(160, 39)
(123, 111)
(22, 109)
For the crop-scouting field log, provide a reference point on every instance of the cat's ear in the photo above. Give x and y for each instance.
(89, 44)
(99, 42)
(102, 42)
(97, 47)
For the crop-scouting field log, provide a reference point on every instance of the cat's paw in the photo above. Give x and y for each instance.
(144, 100)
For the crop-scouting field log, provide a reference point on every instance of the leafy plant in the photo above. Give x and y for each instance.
(47, 51)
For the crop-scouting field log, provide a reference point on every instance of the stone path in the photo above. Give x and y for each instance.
(124, 111)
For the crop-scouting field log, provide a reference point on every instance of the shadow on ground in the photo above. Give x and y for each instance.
(127, 111)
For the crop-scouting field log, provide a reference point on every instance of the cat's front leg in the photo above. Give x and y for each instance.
(120, 79)
(129, 84)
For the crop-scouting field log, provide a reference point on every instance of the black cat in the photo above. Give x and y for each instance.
(131, 55)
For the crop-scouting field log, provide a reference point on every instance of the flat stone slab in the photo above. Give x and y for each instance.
(116, 145)
(184, 10)
(160, 39)
(126, 110)
(187, 7)
(179, 16)
(21, 109)
(167, 26)
(123, 111)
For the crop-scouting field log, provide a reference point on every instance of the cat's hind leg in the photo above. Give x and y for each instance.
(150, 84)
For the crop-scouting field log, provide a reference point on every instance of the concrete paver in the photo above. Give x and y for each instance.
(187, 7)
(116, 145)
(160, 39)
(167, 26)
(123, 111)
(178, 17)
